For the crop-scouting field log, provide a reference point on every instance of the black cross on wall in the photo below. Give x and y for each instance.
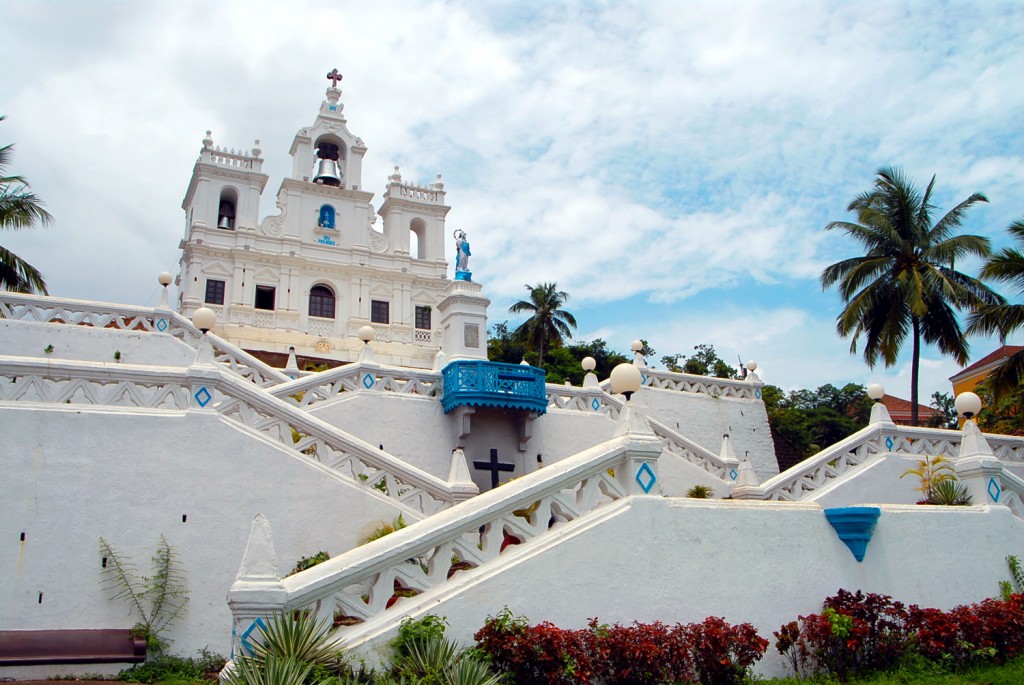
(494, 466)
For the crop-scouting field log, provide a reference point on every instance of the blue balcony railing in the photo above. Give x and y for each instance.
(480, 383)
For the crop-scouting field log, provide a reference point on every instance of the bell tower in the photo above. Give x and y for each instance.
(326, 264)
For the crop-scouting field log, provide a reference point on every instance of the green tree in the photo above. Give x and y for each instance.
(946, 406)
(549, 324)
(19, 208)
(1006, 265)
(1003, 413)
(706, 362)
(813, 419)
(906, 283)
(503, 345)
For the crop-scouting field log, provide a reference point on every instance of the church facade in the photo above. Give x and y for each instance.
(326, 264)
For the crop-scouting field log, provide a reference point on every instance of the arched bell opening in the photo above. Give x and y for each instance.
(330, 162)
(227, 209)
(418, 238)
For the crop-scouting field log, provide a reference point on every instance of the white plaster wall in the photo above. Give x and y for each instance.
(704, 420)
(87, 343)
(417, 430)
(71, 476)
(652, 558)
(878, 480)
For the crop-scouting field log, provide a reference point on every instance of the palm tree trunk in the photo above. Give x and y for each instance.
(915, 362)
(540, 357)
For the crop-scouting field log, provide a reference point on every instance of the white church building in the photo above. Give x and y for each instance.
(559, 502)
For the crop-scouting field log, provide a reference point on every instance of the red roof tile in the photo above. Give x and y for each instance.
(1000, 353)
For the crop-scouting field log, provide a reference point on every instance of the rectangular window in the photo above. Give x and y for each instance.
(423, 318)
(265, 295)
(214, 291)
(380, 311)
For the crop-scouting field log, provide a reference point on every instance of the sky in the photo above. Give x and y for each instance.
(671, 165)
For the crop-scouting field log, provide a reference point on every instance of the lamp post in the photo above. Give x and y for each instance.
(165, 279)
(366, 334)
(879, 412)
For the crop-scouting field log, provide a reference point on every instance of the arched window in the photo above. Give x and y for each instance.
(226, 209)
(418, 239)
(321, 302)
(326, 219)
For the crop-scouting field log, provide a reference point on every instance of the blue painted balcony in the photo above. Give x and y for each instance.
(478, 383)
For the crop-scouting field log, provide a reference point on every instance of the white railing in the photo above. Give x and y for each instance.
(360, 584)
(45, 309)
(705, 385)
(814, 472)
(687, 450)
(586, 400)
(1012, 492)
(65, 382)
(210, 388)
(327, 385)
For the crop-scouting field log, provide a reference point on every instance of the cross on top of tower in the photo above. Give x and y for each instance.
(334, 77)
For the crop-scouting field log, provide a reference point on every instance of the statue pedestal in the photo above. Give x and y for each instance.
(463, 275)
(463, 310)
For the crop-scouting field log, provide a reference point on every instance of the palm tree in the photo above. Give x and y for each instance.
(906, 282)
(19, 208)
(1006, 265)
(548, 321)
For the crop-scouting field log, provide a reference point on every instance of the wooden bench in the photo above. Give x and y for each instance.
(45, 647)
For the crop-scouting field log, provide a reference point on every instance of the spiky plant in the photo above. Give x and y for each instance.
(471, 671)
(950, 493)
(298, 636)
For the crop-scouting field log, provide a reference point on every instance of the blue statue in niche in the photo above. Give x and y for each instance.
(462, 253)
(326, 217)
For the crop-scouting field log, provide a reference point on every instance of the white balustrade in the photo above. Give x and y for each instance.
(814, 472)
(705, 385)
(45, 309)
(329, 385)
(32, 380)
(361, 584)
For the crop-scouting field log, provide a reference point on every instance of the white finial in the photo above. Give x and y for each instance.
(395, 177)
(439, 182)
(256, 149)
(292, 366)
(259, 563)
(208, 140)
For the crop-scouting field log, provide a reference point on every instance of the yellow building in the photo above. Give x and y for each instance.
(969, 378)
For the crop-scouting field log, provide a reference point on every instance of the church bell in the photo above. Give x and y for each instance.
(225, 215)
(224, 222)
(327, 173)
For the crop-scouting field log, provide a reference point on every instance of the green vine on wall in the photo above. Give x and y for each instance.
(160, 599)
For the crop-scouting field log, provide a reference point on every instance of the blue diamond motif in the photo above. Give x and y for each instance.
(595, 404)
(203, 396)
(368, 381)
(161, 325)
(246, 645)
(733, 474)
(646, 478)
(994, 490)
(889, 443)
(757, 393)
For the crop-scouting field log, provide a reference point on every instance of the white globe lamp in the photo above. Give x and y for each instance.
(626, 380)
(204, 318)
(968, 404)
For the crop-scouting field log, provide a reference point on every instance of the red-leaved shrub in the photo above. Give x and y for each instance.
(639, 654)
